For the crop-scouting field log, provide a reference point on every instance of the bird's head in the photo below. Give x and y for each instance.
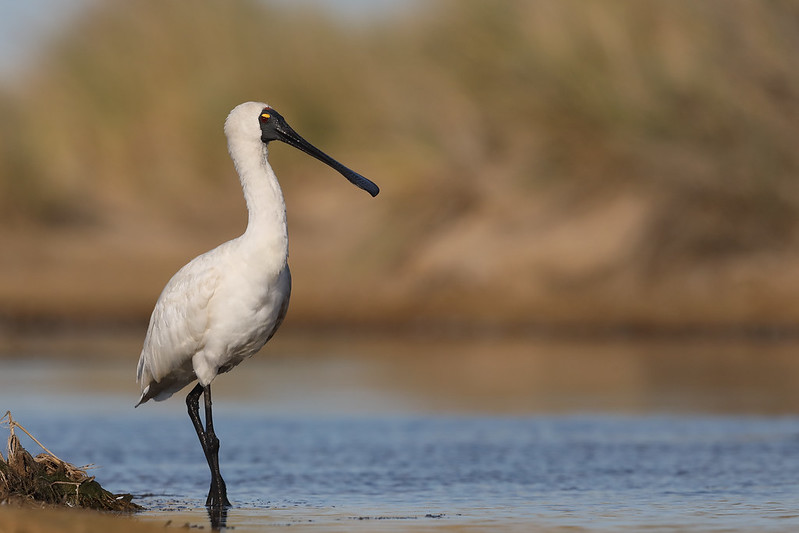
(253, 120)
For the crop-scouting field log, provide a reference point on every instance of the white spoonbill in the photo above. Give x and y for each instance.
(225, 304)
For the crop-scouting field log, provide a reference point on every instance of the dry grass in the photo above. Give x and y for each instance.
(49, 480)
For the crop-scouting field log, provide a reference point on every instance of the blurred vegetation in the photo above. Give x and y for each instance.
(461, 108)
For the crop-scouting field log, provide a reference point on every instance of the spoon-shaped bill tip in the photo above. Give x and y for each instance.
(359, 181)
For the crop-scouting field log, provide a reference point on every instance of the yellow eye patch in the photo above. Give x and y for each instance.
(266, 115)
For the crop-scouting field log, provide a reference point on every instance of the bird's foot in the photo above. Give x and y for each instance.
(217, 496)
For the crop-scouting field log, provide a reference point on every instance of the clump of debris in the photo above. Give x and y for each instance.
(47, 479)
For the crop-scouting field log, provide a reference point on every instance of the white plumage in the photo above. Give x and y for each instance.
(224, 305)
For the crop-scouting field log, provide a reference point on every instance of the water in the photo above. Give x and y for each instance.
(338, 456)
(593, 472)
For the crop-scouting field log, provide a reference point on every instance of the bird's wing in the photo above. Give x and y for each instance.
(284, 306)
(178, 323)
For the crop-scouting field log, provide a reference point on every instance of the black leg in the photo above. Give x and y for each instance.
(193, 403)
(217, 495)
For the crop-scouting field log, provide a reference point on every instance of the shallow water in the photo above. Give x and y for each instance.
(340, 450)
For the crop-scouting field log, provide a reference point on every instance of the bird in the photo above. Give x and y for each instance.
(224, 305)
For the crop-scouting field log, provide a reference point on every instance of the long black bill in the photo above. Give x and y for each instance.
(289, 136)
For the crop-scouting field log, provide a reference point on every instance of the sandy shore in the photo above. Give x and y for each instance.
(33, 519)
(28, 519)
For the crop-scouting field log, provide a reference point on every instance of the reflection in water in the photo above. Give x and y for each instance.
(525, 376)
(517, 376)
(217, 516)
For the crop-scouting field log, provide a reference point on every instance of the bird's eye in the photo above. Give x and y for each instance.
(265, 117)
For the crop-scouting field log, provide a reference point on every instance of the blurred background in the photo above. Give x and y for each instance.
(552, 172)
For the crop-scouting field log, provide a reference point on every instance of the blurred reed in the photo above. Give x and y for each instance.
(466, 112)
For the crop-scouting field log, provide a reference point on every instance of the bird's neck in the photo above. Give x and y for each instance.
(267, 231)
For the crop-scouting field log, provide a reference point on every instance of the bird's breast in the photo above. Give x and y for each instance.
(246, 312)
